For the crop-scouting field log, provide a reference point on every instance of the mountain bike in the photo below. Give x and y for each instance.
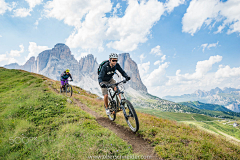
(67, 88)
(117, 102)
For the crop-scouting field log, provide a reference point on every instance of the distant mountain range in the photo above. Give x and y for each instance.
(228, 97)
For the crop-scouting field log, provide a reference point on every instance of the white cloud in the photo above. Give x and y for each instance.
(159, 84)
(16, 53)
(72, 12)
(6, 59)
(24, 12)
(143, 69)
(157, 77)
(12, 60)
(204, 46)
(201, 70)
(3, 57)
(206, 12)
(134, 27)
(226, 71)
(157, 62)
(34, 49)
(92, 27)
(208, 46)
(115, 9)
(142, 57)
(3, 7)
(171, 4)
(33, 3)
(37, 21)
(0, 35)
(87, 16)
(21, 12)
(163, 58)
(212, 45)
(156, 50)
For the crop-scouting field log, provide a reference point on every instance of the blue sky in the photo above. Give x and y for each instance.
(179, 45)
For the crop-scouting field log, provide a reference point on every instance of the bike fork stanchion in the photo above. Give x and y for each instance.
(124, 111)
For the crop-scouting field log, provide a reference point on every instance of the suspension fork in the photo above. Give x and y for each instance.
(121, 104)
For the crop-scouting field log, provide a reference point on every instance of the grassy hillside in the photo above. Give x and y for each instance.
(199, 105)
(171, 140)
(213, 110)
(36, 123)
(177, 116)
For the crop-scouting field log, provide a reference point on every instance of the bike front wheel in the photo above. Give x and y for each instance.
(131, 116)
(68, 90)
(112, 116)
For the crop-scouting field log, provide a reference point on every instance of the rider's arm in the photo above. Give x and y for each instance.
(61, 77)
(70, 76)
(102, 74)
(119, 68)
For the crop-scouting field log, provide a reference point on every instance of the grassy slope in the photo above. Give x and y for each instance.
(199, 105)
(177, 116)
(171, 140)
(34, 111)
(36, 123)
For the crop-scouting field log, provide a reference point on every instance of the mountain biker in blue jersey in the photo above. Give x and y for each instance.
(106, 77)
(64, 77)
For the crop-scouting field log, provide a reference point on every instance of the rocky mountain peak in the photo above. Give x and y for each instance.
(88, 64)
(29, 64)
(61, 45)
(131, 68)
(199, 93)
(62, 51)
(53, 62)
(215, 91)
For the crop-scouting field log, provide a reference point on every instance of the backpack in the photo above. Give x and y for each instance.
(100, 66)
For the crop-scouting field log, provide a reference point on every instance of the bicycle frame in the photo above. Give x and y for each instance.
(117, 93)
(66, 82)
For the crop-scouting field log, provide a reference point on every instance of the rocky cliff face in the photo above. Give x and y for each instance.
(52, 63)
(131, 68)
(29, 65)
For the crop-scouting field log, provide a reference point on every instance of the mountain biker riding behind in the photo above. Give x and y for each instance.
(106, 77)
(64, 77)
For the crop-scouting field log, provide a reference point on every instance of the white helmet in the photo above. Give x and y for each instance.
(113, 55)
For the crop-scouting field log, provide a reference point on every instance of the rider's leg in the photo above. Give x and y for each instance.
(115, 88)
(105, 96)
(106, 100)
(62, 84)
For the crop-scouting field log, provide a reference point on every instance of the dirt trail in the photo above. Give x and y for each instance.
(139, 145)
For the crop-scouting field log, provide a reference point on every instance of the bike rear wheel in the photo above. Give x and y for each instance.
(68, 90)
(131, 116)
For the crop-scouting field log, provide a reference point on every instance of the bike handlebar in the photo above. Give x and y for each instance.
(123, 81)
(66, 80)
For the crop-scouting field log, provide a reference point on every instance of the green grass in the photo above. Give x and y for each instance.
(36, 123)
(206, 122)
(59, 130)
(170, 139)
(226, 128)
(176, 116)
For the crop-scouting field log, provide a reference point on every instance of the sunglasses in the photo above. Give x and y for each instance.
(114, 60)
